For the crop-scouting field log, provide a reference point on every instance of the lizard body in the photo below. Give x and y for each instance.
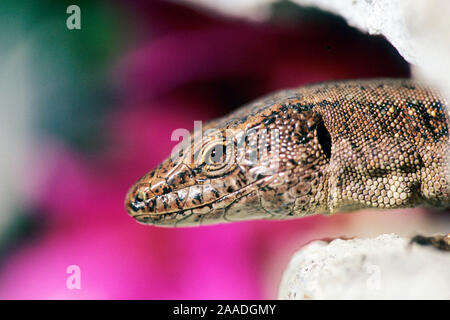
(323, 148)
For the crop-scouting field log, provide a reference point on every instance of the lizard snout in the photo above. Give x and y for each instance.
(173, 196)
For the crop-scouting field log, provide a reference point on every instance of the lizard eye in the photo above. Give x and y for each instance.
(217, 158)
(215, 155)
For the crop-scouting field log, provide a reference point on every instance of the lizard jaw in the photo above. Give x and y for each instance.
(211, 212)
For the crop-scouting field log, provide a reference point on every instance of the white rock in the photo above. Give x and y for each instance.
(386, 267)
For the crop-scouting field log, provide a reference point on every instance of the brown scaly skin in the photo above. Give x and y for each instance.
(343, 146)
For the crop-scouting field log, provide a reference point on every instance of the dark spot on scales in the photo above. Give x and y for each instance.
(426, 120)
(198, 197)
(336, 104)
(163, 200)
(136, 206)
(197, 170)
(152, 205)
(437, 105)
(410, 87)
(301, 107)
(274, 113)
(269, 121)
(323, 103)
(259, 176)
(303, 140)
(442, 133)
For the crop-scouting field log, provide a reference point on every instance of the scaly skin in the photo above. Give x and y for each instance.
(337, 146)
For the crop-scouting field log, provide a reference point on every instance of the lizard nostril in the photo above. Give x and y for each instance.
(137, 199)
(140, 196)
(136, 204)
(324, 139)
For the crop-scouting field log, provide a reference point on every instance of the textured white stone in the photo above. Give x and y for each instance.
(386, 267)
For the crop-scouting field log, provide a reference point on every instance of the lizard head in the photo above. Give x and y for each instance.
(263, 161)
(324, 148)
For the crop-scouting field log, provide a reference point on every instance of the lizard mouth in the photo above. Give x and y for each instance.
(168, 219)
(193, 215)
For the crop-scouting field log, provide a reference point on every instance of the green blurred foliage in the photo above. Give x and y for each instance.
(70, 68)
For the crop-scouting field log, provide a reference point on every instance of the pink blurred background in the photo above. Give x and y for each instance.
(175, 64)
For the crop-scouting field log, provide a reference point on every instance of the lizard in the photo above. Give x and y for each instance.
(321, 148)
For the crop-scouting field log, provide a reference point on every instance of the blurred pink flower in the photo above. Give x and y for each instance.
(129, 261)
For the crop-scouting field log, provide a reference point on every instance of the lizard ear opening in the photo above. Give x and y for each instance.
(324, 138)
